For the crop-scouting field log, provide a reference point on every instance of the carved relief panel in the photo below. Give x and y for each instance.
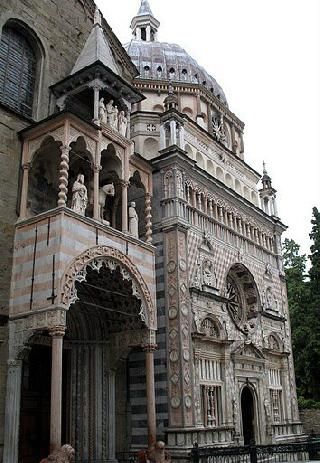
(179, 335)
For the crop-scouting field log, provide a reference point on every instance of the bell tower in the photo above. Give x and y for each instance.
(144, 25)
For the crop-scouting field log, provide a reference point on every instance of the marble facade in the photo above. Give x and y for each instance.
(154, 305)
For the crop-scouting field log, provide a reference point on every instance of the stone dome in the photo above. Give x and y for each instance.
(164, 61)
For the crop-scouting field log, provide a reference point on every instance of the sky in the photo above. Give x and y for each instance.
(266, 56)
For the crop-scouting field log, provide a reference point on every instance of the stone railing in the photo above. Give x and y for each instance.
(228, 229)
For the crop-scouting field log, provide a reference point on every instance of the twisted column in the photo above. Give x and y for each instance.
(148, 218)
(64, 176)
(125, 186)
(96, 205)
(24, 191)
(56, 334)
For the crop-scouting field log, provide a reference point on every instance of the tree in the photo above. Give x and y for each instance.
(314, 306)
(297, 287)
(314, 257)
(304, 307)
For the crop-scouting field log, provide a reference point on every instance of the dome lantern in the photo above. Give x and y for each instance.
(144, 25)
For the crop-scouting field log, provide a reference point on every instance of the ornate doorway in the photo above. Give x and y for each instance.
(248, 416)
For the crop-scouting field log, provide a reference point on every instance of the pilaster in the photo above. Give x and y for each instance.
(181, 413)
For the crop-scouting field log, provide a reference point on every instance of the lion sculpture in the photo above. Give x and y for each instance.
(63, 455)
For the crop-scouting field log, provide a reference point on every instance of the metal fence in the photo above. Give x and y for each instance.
(290, 452)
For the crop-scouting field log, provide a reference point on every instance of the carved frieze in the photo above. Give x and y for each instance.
(113, 258)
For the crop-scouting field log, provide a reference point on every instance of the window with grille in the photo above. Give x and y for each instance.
(17, 71)
(211, 405)
(275, 387)
(275, 399)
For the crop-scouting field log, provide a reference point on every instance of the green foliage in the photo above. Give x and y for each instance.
(304, 305)
(308, 403)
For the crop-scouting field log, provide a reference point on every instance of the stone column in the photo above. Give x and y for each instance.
(128, 132)
(233, 138)
(173, 133)
(24, 190)
(111, 416)
(56, 334)
(151, 399)
(125, 206)
(148, 218)
(64, 176)
(96, 206)
(148, 33)
(162, 137)
(181, 138)
(96, 92)
(12, 413)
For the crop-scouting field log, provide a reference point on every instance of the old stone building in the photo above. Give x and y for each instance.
(142, 286)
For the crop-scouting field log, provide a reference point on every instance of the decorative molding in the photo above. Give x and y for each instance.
(112, 258)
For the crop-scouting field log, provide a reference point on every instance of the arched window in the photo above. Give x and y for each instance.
(17, 71)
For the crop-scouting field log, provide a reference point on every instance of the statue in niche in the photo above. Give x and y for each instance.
(112, 115)
(110, 109)
(123, 123)
(114, 123)
(102, 111)
(133, 220)
(268, 270)
(104, 191)
(197, 277)
(64, 455)
(208, 273)
(269, 299)
(79, 200)
(218, 128)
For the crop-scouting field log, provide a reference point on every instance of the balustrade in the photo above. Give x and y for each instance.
(213, 219)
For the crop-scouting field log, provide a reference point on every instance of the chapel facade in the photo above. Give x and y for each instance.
(143, 294)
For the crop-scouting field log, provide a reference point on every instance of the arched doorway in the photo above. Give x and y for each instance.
(107, 319)
(101, 328)
(248, 416)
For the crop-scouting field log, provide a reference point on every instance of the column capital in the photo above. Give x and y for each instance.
(57, 331)
(14, 363)
(124, 183)
(26, 165)
(150, 347)
(97, 168)
(65, 148)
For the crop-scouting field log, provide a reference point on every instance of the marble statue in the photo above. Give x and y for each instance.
(133, 220)
(218, 128)
(110, 111)
(63, 455)
(104, 191)
(122, 123)
(114, 122)
(79, 200)
(112, 115)
(268, 270)
(208, 273)
(102, 111)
